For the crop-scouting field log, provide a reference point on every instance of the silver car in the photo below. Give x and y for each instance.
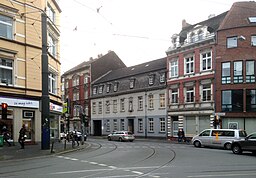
(121, 136)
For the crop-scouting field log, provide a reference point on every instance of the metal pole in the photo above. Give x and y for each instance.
(45, 144)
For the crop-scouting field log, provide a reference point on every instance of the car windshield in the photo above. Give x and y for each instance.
(242, 133)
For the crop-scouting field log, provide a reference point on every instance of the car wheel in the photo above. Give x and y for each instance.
(85, 138)
(109, 138)
(237, 149)
(197, 144)
(227, 146)
(131, 140)
(120, 139)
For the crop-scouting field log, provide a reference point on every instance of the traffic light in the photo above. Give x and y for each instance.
(85, 119)
(4, 110)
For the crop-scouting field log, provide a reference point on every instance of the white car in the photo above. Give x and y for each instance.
(121, 136)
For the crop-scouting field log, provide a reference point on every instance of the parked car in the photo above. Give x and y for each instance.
(79, 135)
(121, 136)
(249, 144)
(221, 138)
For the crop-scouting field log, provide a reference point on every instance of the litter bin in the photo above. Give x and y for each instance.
(1, 140)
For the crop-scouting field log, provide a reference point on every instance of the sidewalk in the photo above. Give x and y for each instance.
(30, 151)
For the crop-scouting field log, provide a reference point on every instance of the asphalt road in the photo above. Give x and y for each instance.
(137, 159)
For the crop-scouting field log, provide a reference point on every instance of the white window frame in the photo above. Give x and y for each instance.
(100, 107)
(51, 13)
(122, 106)
(162, 78)
(162, 100)
(207, 60)
(206, 90)
(140, 125)
(140, 103)
(132, 81)
(173, 68)
(52, 45)
(107, 106)
(114, 106)
(8, 23)
(94, 107)
(100, 89)
(253, 40)
(189, 64)
(75, 81)
(52, 82)
(150, 101)
(232, 42)
(94, 92)
(191, 93)
(151, 80)
(174, 93)
(162, 124)
(151, 124)
(6, 69)
(86, 79)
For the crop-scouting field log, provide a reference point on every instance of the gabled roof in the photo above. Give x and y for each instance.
(147, 67)
(79, 67)
(238, 15)
(212, 24)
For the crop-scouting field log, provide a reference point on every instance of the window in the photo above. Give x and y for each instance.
(162, 78)
(225, 71)
(206, 61)
(232, 42)
(101, 89)
(75, 81)
(140, 103)
(52, 42)
(130, 109)
(251, 100)
(50, 13)
(122, 105)
(189, 65)
(108, 125)
(250, 71)
(6, 27)
(174, 96)
(132, 81)
(114, 106)
(86, 94)
(238, 72)
(162, 125)
(232, 100)
(6, 71)
(107, 107)
(162, 100)
(52, 82)
(200, 35)
(66, 84)
(76, 112)
(252, 19)
(192, 37)
(100, 107)
(115, 86)
(115, 124)
(94, 92)
(108, 88)
(75, 95)
(173, 66)
(151, 124)
(253, 40)
(151, 80)
(140, 125)
(122, 124)
(206, 92)
(189, 94)
(151, 101)
(86, 79)
(94, 107)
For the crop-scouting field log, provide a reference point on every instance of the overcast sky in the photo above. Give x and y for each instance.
(137, 30)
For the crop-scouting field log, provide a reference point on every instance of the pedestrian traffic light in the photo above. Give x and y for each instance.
(4, 110)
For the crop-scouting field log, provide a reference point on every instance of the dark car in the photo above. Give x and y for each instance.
(248, 144)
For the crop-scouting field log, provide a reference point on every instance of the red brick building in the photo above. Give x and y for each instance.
(235, 68)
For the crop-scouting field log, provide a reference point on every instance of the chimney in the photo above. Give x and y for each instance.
(184, 24)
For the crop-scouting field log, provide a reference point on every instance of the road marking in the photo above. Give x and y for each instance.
(84, 161)
(137, 172)
(102, 165)
(112, 167)
(93, 163)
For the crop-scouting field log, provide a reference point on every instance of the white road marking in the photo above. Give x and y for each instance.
(224, 175)
(102, 165)
(137, 172)
(93, 163)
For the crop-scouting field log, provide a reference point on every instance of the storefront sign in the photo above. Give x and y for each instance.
(56, 108)
(15, 102)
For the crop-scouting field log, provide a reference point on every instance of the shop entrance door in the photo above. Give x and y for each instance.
(28, 126)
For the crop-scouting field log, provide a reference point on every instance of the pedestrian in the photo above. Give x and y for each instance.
(181, 135)
(6, 135)
(76, 138)
(22, 136)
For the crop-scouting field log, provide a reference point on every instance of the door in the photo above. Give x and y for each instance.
(131, 125)
(28, 126)
(97, 128)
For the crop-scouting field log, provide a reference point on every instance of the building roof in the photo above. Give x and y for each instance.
(238, 15)
(158, 64)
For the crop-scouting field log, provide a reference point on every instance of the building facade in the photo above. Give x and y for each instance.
(132, 99)
(191, 73)
(235, 68)
(21, 67)
(77, 88)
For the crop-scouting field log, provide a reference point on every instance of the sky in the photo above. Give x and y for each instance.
(136, 30)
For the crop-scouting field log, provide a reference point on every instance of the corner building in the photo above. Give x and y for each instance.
(235, 68)
(21, 67)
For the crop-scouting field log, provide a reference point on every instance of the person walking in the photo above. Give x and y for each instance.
(22, 136)
(181, 135)
(6, 135)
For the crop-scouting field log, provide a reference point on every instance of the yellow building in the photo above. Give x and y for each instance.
(21, 69)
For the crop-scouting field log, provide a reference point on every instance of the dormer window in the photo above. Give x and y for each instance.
(108, 88)
(94, 92)
(200, 35)
(151, 80)
(132, 82)
(115, 86)
(101, 89)
(192, 37)
(162, 77)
